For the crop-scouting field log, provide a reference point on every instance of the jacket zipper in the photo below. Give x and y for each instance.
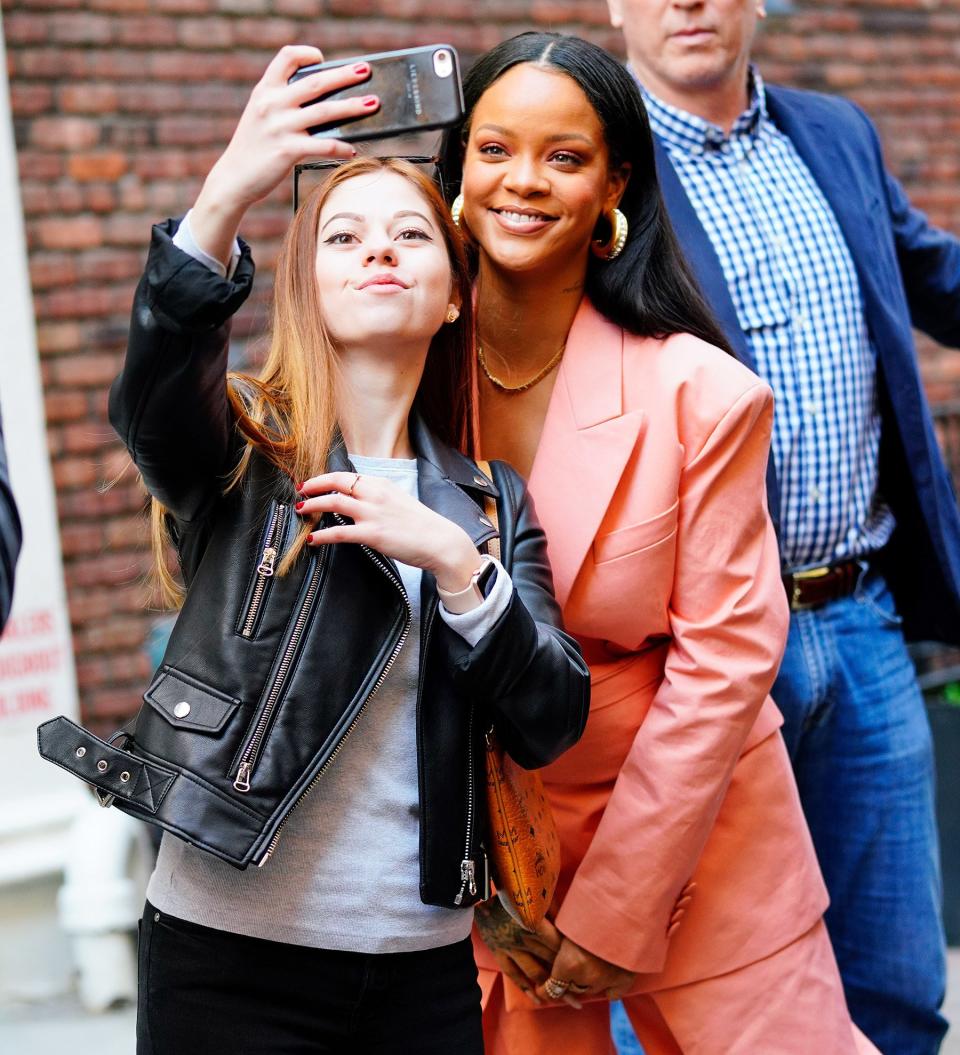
(468, 868)
(388, 571)
(251, 750)
(264, 569)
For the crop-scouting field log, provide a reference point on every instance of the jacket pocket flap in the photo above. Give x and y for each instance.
(107, 768)
(188, 703)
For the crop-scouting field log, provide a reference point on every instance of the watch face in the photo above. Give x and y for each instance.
(486, 577)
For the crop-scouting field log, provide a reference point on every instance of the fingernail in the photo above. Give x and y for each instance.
(370, 100)
(298, 506)
(353, 153)
(361, 69)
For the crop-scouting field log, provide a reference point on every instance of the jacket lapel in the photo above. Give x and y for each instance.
(585, 444)
(840, 178)
(700, 255)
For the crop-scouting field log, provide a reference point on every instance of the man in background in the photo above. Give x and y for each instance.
(817, 266)
(10, 536)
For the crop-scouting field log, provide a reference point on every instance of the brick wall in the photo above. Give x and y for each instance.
(120, 107)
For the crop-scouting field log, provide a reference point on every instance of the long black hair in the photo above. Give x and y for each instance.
(648, 289)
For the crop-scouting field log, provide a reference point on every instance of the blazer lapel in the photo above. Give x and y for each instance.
(701, 256)
(585, 444)
(840, 178)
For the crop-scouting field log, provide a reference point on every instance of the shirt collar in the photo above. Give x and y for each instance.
(683, 131)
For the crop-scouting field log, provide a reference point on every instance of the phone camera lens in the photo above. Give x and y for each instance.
(443, 63)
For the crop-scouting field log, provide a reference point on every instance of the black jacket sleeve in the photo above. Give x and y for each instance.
(527, 672)
(169, 404)
(11, 536)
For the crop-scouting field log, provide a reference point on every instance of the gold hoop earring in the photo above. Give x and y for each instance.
(456, 209)
(613, 247)
(453, 313)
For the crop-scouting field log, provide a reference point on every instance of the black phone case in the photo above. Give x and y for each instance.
(413, 98)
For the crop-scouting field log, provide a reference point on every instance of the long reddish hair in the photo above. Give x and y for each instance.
(288, 413)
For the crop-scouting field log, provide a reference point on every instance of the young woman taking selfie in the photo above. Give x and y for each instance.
(343, 643)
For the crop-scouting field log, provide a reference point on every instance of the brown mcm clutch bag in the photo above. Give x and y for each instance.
(524, 846)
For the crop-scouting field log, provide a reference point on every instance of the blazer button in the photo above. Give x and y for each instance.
(672, 928)
(683, 901)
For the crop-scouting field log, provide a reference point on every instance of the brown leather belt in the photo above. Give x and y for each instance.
(815, 586)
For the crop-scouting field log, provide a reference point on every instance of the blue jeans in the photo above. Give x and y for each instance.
(856, 729)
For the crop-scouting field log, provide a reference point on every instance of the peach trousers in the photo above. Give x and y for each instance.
(794, 1005)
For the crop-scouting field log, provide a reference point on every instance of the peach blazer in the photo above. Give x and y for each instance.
(686, 854)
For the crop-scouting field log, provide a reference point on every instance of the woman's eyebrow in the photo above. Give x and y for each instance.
(343, 216)
(411, 212)
(557, 138)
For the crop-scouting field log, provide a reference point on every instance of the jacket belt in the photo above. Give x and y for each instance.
(813, 587)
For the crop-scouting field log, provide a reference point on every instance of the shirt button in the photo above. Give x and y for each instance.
(800, 322)
(811, 409)
(815, 493)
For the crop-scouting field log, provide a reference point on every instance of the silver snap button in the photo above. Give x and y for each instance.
(156, 917)
(81, 751)
(480, 481)
(102, 766)
(485, 522)
(124, 777)
(182, 709)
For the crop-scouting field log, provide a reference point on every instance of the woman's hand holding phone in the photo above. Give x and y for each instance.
(270, 138)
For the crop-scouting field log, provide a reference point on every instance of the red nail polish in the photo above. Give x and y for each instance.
(298, 506)
(370, 100)
(361, 69)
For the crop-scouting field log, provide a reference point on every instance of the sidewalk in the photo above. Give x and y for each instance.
(59, 1028)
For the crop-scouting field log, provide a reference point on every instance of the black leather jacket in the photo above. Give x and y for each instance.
(265, 676)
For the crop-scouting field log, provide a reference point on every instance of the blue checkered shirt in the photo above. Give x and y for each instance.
(798, 300)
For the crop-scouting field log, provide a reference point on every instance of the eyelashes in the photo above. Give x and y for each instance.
(408, 234)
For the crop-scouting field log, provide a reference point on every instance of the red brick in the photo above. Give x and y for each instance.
(52, 269)
(58, 338)
(65, 406)
(88, 98)
(78, 232)
(64, 133)
(74, 472)
(85, 371)
(148, 31)
(85, 28)
(100, 166)
(205, 34)
(30, 99)
(76, 539)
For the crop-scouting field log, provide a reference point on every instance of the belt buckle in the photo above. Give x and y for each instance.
(797, 578)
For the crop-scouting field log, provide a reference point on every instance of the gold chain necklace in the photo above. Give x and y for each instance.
(515, 389)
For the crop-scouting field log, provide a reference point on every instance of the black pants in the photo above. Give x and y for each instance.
(208, 992)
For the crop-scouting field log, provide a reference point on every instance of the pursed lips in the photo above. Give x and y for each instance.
(384, 281)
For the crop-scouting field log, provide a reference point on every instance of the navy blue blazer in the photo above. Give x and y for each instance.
(909, 274)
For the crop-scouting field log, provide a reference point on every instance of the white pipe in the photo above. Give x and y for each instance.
(99, 904)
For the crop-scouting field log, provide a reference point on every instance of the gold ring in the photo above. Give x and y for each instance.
(555, 988)
(356, 480)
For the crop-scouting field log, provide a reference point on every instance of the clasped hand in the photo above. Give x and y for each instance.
(529, 958)
(392, 522)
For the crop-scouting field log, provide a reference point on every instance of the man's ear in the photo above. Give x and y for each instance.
(615, 7)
